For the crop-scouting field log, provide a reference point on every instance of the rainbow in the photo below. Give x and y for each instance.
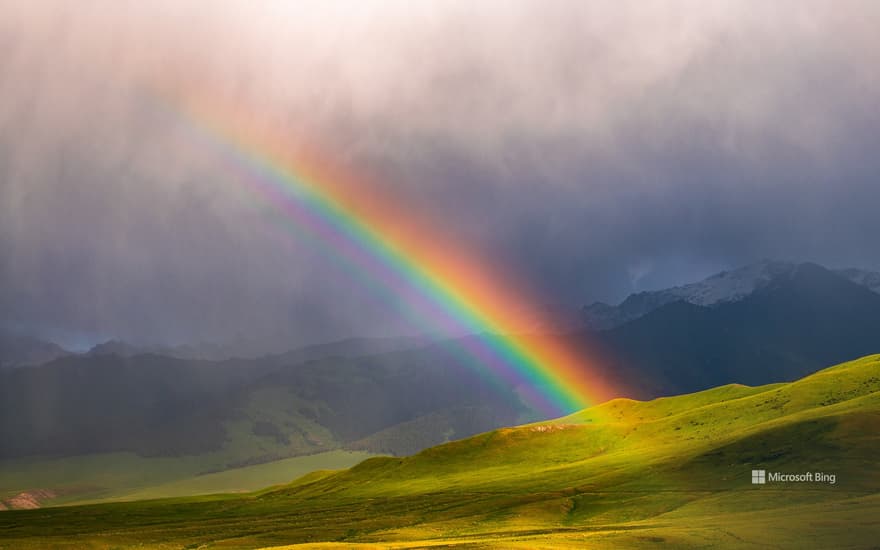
(395, 251)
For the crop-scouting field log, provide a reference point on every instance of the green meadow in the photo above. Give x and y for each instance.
(126, 476)
(625, 474)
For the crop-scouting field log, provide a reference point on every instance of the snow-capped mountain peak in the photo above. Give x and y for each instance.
(730, 286)
(868, 279)
(724, 287)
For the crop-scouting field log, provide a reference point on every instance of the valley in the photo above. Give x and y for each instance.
(624, 474)
(177, 419)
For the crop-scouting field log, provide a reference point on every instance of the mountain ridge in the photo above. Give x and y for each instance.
(720, 288)
(18, 350)
(401, 400)
(789, 328)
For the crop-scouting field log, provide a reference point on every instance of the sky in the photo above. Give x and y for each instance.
(594, 149)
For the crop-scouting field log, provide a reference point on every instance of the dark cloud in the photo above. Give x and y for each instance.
(594, 148)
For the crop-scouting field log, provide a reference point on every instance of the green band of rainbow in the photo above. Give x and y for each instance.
(393, 246)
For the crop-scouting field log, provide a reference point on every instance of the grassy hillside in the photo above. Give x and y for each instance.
(251, 478)
(125, 476)
(625, 474)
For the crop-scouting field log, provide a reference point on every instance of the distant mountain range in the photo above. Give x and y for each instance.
(248, 410)
(349, 347)
(721, 288)
(17, 350)
(790, 325)
(22, 351)
(765, 323)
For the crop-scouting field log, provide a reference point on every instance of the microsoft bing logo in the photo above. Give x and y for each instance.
(761, 477)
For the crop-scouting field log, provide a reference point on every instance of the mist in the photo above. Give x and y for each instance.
(596, 149)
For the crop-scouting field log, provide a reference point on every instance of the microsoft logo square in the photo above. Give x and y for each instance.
(759, 477)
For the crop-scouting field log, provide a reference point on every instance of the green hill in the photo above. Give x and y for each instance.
(625, 474)
(125, 476)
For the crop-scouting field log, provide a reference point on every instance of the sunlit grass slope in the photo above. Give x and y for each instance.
(126, 476)
(253, 459)
(624, 474)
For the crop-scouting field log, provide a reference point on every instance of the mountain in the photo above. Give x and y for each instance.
(317, 399)
(22, 351)
(352, 347)
(245, 411)
(867, 279)
(791, 326)
(147, 404)
(679, 472)
(349, 347)
(201, 351)
(118, 347)
(724, 287)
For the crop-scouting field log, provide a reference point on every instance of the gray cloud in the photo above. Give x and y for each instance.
(596, 148)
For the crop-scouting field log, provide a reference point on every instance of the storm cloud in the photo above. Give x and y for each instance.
(595, 148)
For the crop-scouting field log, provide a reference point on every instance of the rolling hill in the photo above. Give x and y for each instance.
(624, 474)
(173, 419)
